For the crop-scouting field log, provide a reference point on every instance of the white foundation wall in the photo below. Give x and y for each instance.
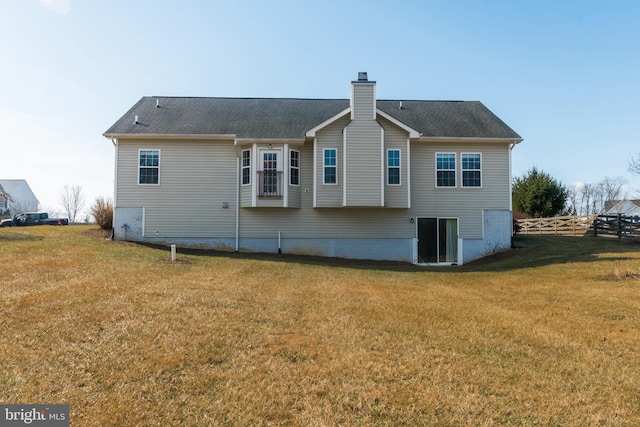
(497, 226)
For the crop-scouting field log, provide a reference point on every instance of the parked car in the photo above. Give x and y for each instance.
(33, 218)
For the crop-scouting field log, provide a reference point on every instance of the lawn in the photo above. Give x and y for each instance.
(547, 334)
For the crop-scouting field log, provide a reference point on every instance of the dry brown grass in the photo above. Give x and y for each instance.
(542, 336)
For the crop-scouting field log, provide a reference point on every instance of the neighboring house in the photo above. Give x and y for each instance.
(4, 202)
(623, 207)
(415, 181)
(21, 198)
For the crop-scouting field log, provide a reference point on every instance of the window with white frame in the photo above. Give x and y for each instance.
(445, 169)
(393, 167)
(246, 167)
(330, 175)
(149, 167)
(471, 170)
(294, 167)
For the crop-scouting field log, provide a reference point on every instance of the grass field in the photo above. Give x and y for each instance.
(547, 334)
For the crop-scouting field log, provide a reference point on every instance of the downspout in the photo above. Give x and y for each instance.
(238, 203)
(511, 146)
(115, 189)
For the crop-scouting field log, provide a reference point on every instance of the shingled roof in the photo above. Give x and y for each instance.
(290, 118)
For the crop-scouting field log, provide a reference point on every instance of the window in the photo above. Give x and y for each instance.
(149, 167)
(471, 170)
(246, 167)
(393, 167)
(330, 166)
(294, 172)
(445, 169)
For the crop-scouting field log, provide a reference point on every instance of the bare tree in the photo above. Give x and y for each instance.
(613, 189)
(634, 164)
(72, 200)
(5, 198)
(591, 199)
(572, 199)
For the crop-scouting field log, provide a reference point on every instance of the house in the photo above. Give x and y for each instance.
(16, 196)
(404, 180)
(623, 207)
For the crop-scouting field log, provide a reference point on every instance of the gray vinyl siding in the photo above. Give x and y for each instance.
(321, 223)
(294, 196)
(364, 103)
(309, 223)
(466, 204)
(329, 195)
(196, 179)
(364, 164)
(396, 196)
(246, 193)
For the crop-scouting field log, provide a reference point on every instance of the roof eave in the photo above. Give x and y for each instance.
(412, 132)
(167, 136)
(471, 139)
(311, 133)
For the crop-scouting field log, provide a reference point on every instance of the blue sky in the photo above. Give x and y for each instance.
(565, 75)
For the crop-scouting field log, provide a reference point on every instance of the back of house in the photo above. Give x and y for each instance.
(403, 180)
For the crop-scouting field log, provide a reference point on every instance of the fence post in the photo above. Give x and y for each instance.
(595, 225)
(619, 225)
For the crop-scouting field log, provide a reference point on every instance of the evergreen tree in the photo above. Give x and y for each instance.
(539, 195)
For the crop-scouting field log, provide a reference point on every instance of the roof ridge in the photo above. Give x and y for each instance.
(245, 97)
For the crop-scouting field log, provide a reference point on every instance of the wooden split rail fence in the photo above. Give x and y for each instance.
(615, 225)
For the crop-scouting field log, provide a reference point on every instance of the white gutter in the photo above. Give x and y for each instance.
(467, 139)
(167, 136)
(238, 203)
(511, 146)
(238, 182)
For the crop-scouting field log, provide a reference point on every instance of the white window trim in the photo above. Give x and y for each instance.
(294, 167)
(472, 170)
(140, 150)
(324, 150)
(455, 170)
(399, 167)
(243, 167)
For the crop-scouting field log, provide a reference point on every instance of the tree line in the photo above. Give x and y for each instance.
(540, 195)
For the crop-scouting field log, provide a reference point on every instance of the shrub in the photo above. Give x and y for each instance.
(102, 211)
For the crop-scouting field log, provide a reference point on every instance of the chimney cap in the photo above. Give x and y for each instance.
(362, 78)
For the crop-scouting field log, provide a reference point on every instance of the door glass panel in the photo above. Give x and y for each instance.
(270, 173)
(427, 240)
(448, 240)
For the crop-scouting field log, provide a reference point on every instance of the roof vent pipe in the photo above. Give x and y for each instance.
(400, 107)
(157, 103)
(362, 76)
(135, 121)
